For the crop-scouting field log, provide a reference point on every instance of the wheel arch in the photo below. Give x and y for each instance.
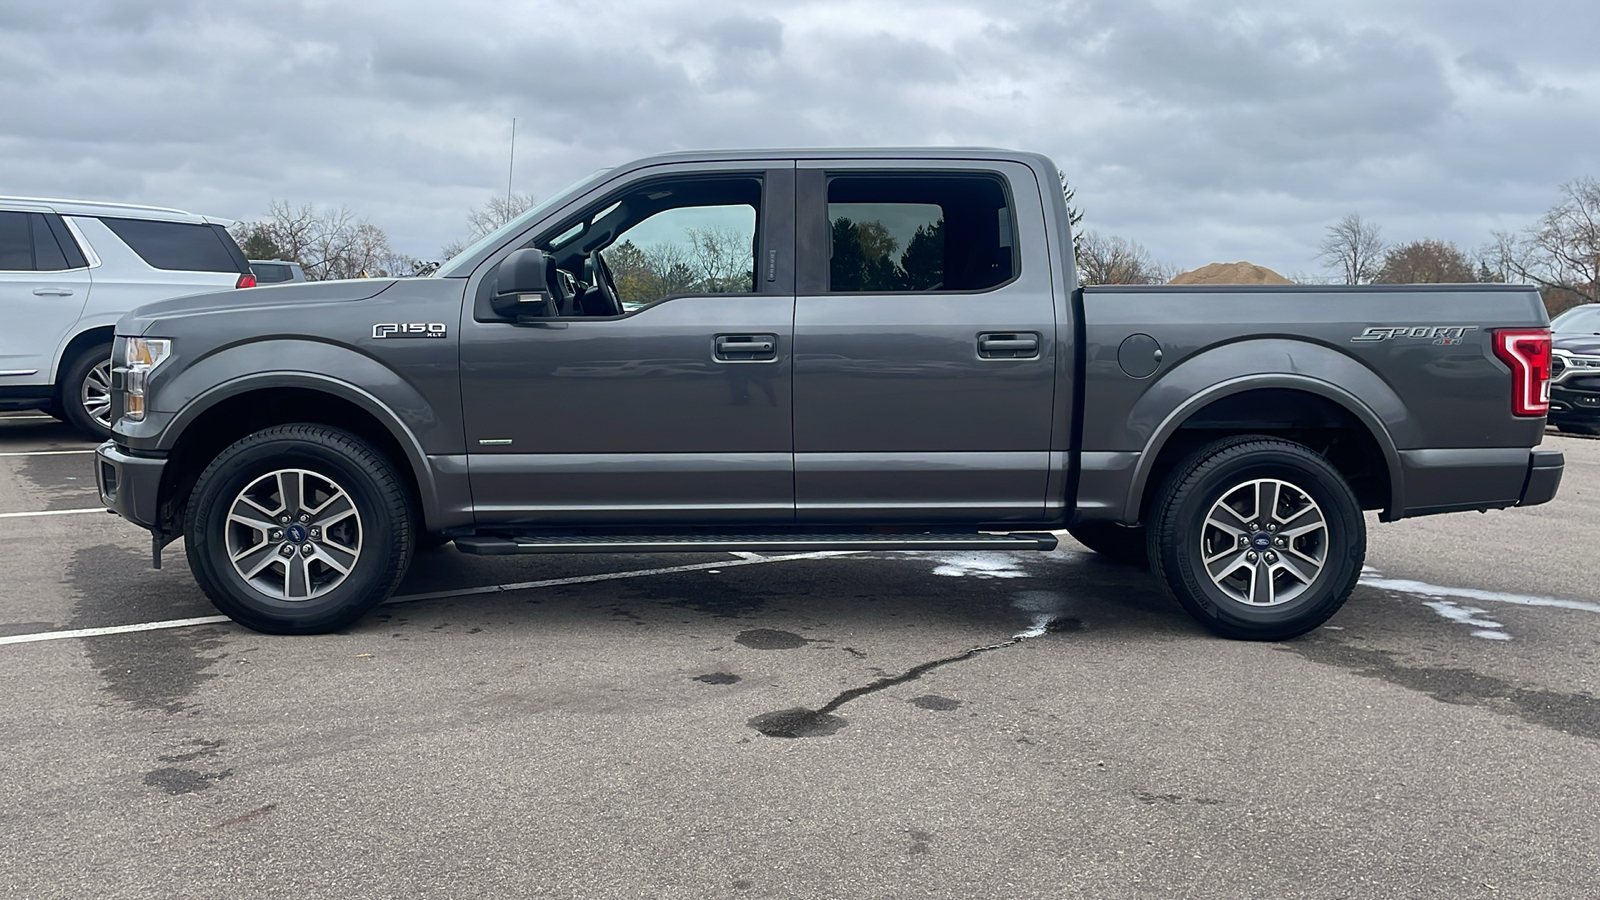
(233, 409)
(83, 340)
(1276, 404)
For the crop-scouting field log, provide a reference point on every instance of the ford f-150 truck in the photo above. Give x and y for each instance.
(782, 350)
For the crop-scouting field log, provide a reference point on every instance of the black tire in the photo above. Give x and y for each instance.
(1114, 542)
(382, 536)
(70, 393)
(1222, 472)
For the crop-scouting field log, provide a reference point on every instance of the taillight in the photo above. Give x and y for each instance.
(246, 281)
(1527, 352)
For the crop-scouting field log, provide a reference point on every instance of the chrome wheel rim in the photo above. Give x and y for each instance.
(293, 535)
(1264, 542)
(95, 394)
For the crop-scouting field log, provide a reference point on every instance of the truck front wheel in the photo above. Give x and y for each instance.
(1258, 538)
(298, 529)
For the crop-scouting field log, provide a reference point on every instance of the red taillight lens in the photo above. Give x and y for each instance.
(1527, 352)
(246, 281)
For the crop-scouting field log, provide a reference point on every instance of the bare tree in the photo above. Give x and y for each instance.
(496, 211)
(1563, 249)
(722, 257)
(1425, 262)
(1353, 248)
(1108, 259)
(331, 243)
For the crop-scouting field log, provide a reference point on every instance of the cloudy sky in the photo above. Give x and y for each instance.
(1208, 131)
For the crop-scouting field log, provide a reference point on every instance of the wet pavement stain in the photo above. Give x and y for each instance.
(803, 722)
(935, 702)
(1575, 714)
(797, 723)
(718, 678)
(919, 842)
(770, 639)
(184, 781)
(155, 670)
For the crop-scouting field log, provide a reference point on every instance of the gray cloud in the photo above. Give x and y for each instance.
(1206, 130)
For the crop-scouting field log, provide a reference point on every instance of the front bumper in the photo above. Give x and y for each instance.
(130, 486)
(1572, 404)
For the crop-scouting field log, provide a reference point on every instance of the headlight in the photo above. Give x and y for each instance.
(144, 354)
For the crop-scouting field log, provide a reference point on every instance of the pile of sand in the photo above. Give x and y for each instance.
(1231, 273)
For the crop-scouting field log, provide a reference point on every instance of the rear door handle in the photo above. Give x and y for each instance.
(52, 292)
(746, 347)
(1008, 345)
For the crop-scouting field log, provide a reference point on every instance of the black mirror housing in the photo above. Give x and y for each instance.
(520, 288)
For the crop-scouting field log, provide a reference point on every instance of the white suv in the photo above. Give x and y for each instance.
(69, 269)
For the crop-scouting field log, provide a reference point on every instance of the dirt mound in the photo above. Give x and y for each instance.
(1231, 273)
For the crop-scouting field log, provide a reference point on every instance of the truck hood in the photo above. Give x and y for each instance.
(1581, 344)
(256, 298)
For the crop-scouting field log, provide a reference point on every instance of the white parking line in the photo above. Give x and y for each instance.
(52, 512)
(432, 595)
(45, 452)
(15, 418)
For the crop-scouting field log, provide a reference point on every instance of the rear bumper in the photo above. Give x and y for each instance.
(130, 486)
(1457, 479)
(1544, 476)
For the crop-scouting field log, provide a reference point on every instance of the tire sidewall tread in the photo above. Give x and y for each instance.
(1184, 501)
(365, 474)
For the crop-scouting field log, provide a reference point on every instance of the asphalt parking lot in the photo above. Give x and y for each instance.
(968, 724)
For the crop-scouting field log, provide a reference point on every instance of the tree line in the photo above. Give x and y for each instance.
(1559, 253)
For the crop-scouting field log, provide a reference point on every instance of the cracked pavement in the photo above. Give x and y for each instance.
(967, 724)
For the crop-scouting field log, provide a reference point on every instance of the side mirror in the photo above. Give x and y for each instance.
(520, 289)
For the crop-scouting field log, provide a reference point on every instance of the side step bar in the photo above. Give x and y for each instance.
(491, 545)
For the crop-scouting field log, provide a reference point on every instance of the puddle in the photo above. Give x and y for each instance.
(979, 565)
(797, 723)
(718, 678)
(935, 703)
(770, 639)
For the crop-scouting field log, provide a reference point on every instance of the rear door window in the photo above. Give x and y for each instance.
(177, 246)
(16, 246)
(938, 232)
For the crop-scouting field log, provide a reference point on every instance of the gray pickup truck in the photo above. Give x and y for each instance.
(781, 350)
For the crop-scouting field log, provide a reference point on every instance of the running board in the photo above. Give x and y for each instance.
(490, 545)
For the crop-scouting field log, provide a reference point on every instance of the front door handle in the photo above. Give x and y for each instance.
(746, 347)
(1010, 345)
(52, 292)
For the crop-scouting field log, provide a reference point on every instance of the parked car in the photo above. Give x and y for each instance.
(1575, 370)
(276, 271)
(895, 355)
(69, 269)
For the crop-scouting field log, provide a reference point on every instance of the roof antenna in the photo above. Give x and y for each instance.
(512, 164)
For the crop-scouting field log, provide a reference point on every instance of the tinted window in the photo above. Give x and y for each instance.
(919, 233)
(16, 247)
(47, 255)
(271, 273)
(175, 245)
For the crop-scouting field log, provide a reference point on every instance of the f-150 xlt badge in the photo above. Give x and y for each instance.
(408, 330)
(1443, 335)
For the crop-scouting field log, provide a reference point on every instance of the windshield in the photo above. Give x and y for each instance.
(448, 269)
(1583, 320)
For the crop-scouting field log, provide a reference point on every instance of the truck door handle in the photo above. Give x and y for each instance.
(52, 292)
(1008, 346)
(746, 347)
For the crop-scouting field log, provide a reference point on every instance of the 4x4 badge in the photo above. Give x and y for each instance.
(408, 330)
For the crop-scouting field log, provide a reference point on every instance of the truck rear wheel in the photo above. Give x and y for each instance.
(1258, 538)
(298, 529)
